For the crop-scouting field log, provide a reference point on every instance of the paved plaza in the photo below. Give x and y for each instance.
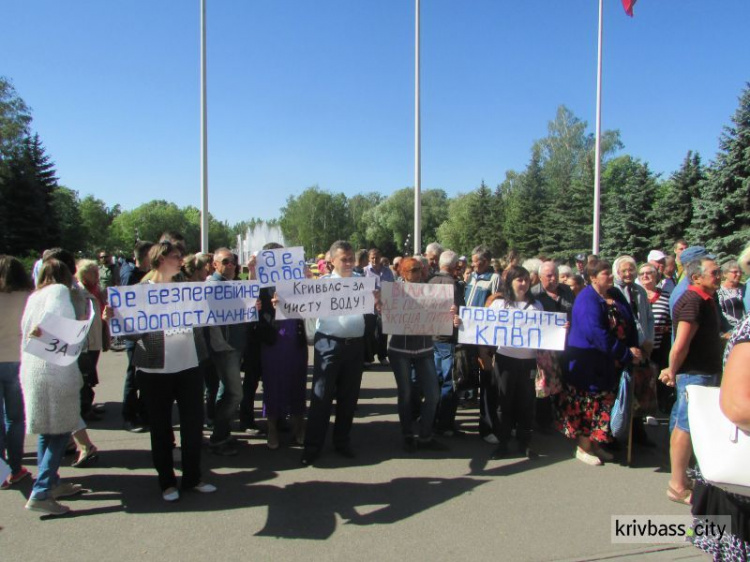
(384, 505)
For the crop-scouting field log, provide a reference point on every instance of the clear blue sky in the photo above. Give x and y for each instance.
(321, 92)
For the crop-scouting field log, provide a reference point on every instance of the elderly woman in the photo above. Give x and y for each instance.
(167, 371)
(407, 353)
(15, 288)
(731, 294)
(51, 392)
(564, 272)
(196, 267)
(602, 340)
(709, 501)
(532, 265)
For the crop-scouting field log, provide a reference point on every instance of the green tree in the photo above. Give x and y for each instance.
(721, 212)
(96, 219)
(315, 219)
(458, 231)
(359, 205)
(524, 206)
(673, 209)
(629, 187)
(66, 205)
(15, 118)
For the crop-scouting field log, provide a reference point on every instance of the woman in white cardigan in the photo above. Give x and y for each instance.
(51, 392)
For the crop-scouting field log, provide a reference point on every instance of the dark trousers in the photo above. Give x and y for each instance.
(87, 363)
(251, 368)
(159, 391)
(133, 406)
(511, 398)
(337, 373)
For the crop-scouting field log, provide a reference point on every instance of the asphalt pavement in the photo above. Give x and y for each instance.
(385, 504)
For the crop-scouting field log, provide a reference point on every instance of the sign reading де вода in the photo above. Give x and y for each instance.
(417, 309)
(332, 296)
(280, 264)
(510, 327)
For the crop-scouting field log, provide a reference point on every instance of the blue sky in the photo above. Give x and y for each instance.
(321, 92)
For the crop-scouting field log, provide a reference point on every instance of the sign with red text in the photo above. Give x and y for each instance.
(418, 309)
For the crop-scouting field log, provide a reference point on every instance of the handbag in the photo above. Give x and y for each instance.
(619, 418)
(548, 381)
(644, 387)
(722, 448)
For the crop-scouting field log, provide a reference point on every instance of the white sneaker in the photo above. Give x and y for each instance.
(587, 458)
(651, 420)
(604, 455)
(171, 494)
(205, 488)
(491, 438)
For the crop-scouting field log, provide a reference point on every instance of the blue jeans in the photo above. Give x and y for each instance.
(12, 419)
(50, 453)
(679, 415)
(228, 365)
(424, 369)
(446, 414)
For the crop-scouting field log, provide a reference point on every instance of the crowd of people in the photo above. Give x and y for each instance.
(668, 318)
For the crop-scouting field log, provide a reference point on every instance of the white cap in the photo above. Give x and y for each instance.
(656, 255)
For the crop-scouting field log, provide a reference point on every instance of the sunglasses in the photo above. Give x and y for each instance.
(227, 261)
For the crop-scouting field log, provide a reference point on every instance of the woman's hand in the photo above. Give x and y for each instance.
(36, 332)
(456, 317)
(378, 302)
(637, 354)
(107, 313)
(252, 262)
(275, 300)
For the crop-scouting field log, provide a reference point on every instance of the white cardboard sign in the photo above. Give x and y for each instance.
(510, 327)
(417, 309)
(280, 264)
(61, 340)
(152, 307)
(332, 296)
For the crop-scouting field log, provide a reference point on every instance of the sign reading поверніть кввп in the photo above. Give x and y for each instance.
(153, 307)
(332, 296)
(510, 327)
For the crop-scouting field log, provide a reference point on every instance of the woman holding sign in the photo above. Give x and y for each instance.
(415, 352)
(51, 391)
(511, 395)
(167, 371)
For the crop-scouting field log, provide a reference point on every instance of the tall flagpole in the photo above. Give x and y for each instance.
(204, 136)
(598, 155)
(417, 144)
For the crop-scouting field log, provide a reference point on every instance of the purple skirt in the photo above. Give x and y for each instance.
(284, 372)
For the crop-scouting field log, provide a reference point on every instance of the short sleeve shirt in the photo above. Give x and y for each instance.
(705, 351)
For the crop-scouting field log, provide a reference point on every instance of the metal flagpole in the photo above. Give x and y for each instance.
(598, 155)
(417, 144)
(204, 136)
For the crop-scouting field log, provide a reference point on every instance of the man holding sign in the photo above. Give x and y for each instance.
(338, 363)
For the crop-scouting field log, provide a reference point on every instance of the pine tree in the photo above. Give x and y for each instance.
(721, 213)
(524, 207)
(673, 209)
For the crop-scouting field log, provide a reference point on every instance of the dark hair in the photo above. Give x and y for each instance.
(515, 272)
(483, 252)
(595, 267)
(13, 276)
(142, 249)
(272, 246)
(194, 262)
(54, 271)
(62, 255)
(160, 250)
(175, 238)
(340, 245)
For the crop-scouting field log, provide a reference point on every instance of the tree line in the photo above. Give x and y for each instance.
(546, 208)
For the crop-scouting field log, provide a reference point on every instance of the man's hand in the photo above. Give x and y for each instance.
(667, 376)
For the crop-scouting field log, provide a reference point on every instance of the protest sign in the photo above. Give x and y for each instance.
(333, 296)
(61, 339)
(510, 327)
(416, 309)
(280, 264)
(151, 307)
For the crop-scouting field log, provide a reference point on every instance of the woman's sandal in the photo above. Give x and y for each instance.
(684, 498)
(91, 456)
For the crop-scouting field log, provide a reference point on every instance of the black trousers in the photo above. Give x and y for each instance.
(133, 405)
(337, 373)
(160, 391)
(511, 398)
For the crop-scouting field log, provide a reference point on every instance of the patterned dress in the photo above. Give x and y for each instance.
(710, 500)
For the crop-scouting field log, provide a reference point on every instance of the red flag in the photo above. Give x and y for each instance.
(628, 5)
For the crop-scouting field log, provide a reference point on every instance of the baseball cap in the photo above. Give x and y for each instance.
(656, 255)
(695, 253)
(581, 257)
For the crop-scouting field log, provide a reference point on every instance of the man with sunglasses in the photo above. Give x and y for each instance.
(227, 345)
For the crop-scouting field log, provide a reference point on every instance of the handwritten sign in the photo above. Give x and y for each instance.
(281, 264)
(510, 327)
(61, 340)
(317, 298)
(152, 307)
(417, 309)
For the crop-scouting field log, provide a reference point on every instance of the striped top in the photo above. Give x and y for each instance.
(662, 317)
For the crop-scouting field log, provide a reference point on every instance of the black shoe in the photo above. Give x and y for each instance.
(346, 452)
(410, 444)
(225, 449)
(530, 453)
(134, 427)
(308, 457)
(254, 429)
(431, 444)
(500, 452)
